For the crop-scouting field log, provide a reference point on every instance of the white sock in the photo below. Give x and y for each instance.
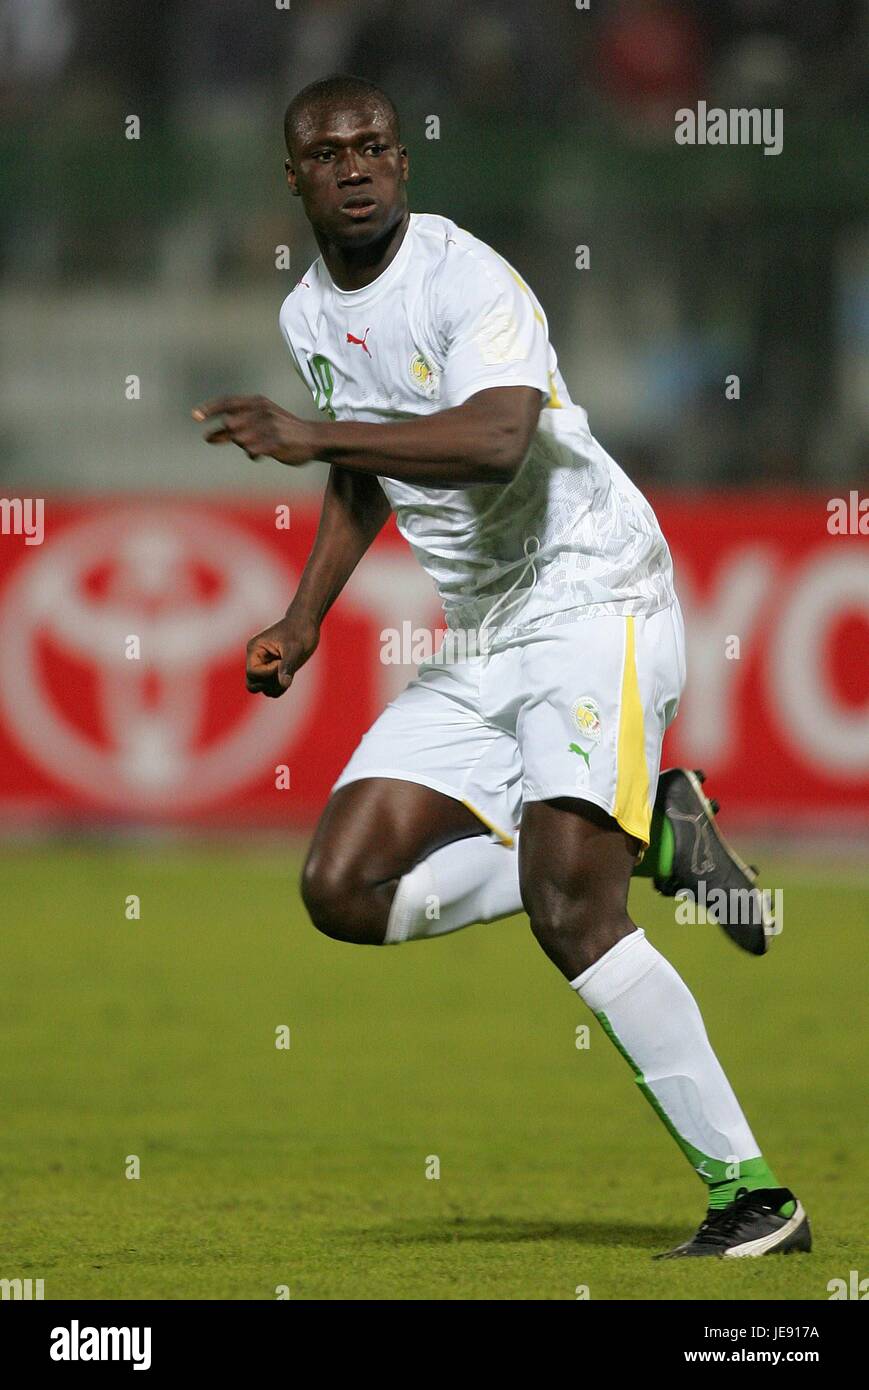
(471, 880)
(653, 1018)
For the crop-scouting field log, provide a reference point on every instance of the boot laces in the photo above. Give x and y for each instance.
(726, 1222)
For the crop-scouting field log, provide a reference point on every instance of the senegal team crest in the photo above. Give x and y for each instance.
(586, 717)
(424, 376)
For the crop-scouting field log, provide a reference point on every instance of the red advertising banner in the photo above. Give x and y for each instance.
(778, 717)
(122, 642)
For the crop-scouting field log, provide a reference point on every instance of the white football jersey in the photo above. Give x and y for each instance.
(569, 535)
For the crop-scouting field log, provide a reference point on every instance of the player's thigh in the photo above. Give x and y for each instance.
(429, 770)
(375, 829)
(434, 735)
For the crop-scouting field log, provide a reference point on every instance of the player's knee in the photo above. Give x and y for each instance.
(336, 900)
(578, 926)
(562, 928)
(325, 893)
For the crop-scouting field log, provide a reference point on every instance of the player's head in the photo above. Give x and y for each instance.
(344, 147)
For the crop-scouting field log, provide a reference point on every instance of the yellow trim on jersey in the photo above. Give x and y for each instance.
(521, 283)
(632, 809)
(553, 403)
(500, 834)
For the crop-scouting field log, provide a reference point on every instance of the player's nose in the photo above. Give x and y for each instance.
(349, 170)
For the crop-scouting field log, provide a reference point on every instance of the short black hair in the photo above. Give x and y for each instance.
(339, 87)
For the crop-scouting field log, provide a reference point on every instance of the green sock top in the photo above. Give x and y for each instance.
(657, 862)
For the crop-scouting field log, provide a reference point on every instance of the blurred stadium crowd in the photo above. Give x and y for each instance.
(633, 55)
(556, 130)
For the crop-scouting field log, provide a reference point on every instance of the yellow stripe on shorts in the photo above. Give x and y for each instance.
(502, 835)
(632, 809)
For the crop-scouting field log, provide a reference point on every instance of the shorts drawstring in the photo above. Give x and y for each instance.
(530, 563)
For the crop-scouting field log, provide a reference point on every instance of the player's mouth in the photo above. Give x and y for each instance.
(361, 205)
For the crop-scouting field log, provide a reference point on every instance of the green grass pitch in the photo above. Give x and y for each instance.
(306, 1167)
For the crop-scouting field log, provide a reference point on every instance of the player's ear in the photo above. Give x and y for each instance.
(291, 177)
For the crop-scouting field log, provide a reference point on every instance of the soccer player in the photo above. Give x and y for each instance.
(524, 773)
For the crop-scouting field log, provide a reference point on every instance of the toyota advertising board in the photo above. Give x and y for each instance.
(123, 634)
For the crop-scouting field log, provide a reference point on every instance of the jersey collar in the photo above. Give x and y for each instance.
(387, 277)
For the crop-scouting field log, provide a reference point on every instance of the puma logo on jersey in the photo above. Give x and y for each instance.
(360, 341)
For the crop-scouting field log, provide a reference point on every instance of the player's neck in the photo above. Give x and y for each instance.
(352, 268)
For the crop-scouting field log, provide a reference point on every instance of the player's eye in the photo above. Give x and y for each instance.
(375, 149)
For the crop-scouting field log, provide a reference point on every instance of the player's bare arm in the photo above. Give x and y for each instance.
(483, 440)
(354, 511)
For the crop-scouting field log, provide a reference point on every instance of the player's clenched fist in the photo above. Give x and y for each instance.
(276, 654)
(259, 427)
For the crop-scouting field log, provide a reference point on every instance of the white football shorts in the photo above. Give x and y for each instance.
(575, 710)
